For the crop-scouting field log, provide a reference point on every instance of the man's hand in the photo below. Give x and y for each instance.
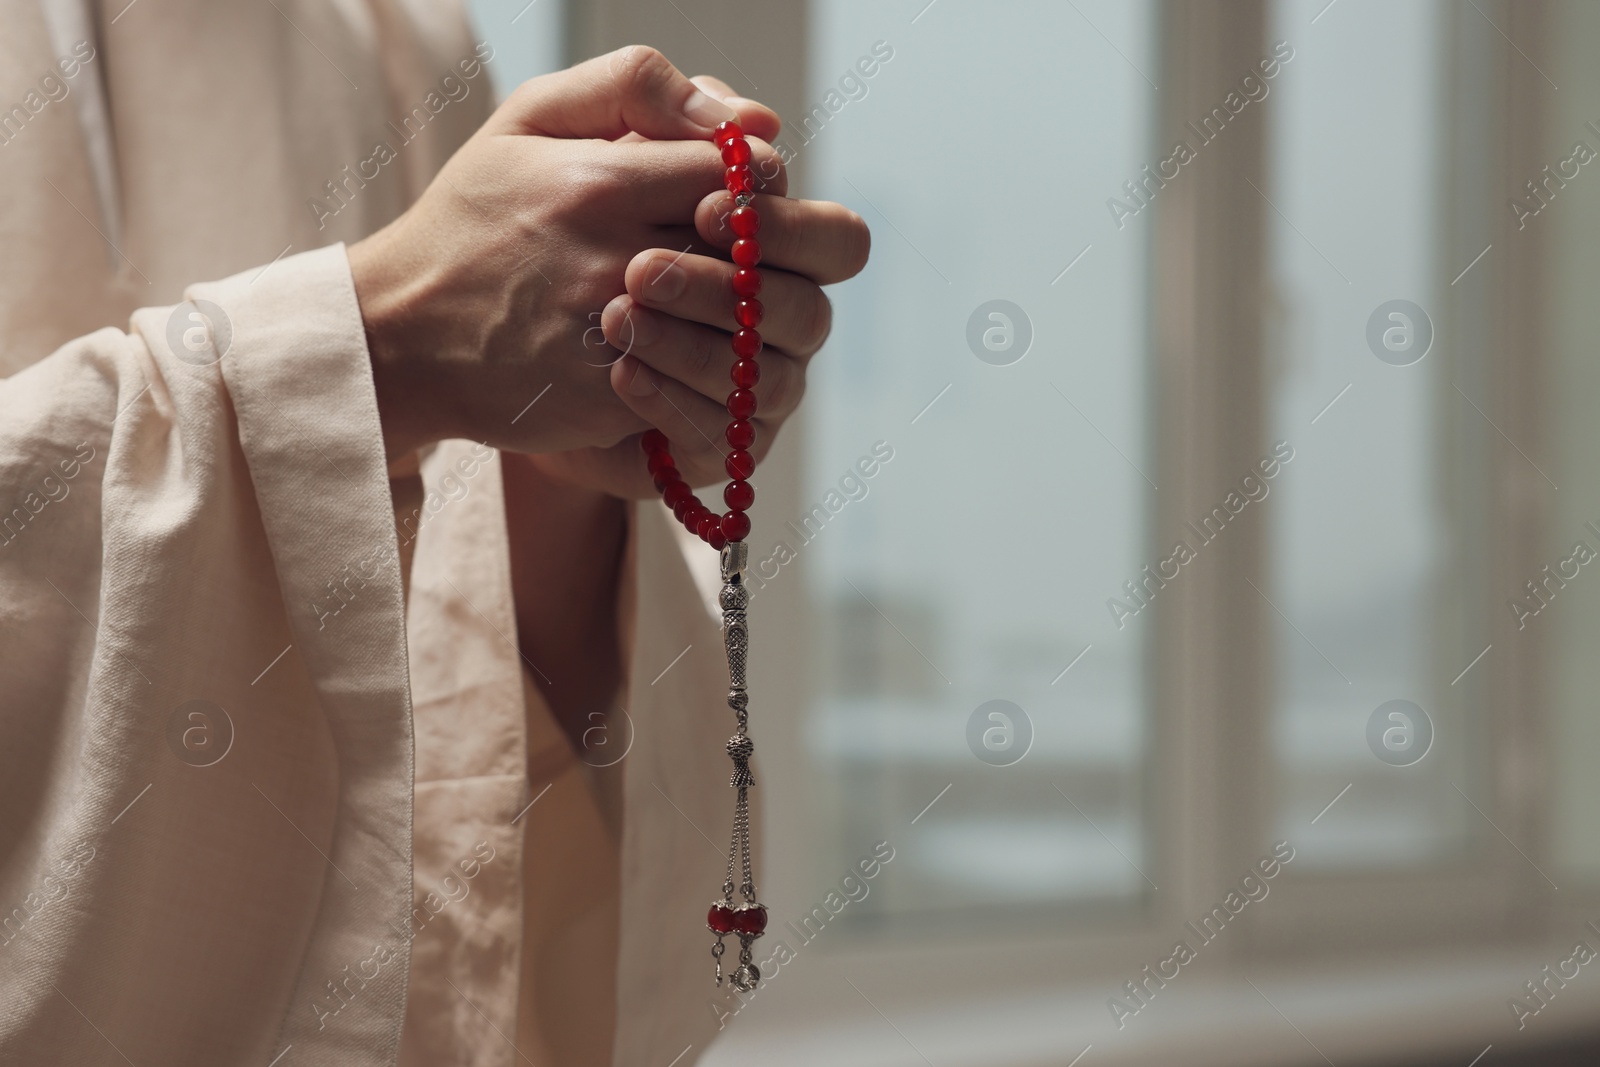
(487, 295)
(675, 323)
(475, 300)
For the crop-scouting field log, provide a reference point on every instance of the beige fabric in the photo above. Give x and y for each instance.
(176, 528)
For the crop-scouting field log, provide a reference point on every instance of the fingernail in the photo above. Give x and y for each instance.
(643, 383)
(666, 282)
(630, 324)
(705, 111)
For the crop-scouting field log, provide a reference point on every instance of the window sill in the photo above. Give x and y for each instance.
(1372, 1013)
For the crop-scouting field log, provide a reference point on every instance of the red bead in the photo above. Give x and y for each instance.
(750, 920)
(744, 221)
(735, 525)
(746, 343)
(746, 373)
(739, 178)
(739, 495)
(747, 281)
(720, 919)
(746, 252)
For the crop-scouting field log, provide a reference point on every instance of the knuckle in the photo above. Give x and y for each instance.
(706, 354)
(584, 183)
(816, 321)
(787, 386)
(701, 461)
(523, 96)
(847, 242)
(639, 68)
(766, 434)
(600, 176)
(768, 166)
(796, 237)
(711, 218)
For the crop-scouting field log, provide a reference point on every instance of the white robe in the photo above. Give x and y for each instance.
(197, 550)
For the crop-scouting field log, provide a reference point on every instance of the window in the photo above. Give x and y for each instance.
(997, 351)
(1375, 596)
(983, 503)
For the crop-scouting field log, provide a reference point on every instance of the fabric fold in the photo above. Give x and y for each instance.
(302, 392)
(209, 805)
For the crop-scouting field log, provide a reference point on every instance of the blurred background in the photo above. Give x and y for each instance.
(1198, 484)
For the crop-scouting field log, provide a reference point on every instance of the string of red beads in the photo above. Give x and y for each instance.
(734, 524)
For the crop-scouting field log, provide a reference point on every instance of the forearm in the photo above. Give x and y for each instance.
(566, 551)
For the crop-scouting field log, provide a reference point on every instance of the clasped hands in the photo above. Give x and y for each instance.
(592, 198)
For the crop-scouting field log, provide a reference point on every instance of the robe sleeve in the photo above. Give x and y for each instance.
(205, 732)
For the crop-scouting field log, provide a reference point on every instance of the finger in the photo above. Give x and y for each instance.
(824, 241)
(693, 424)
(755, 118)
(795, 313)
(700, 356)
(632, 89)
(685, 238)
(618, 469)
(668, 179)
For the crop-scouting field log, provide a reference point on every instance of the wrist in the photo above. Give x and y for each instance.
(410, 399)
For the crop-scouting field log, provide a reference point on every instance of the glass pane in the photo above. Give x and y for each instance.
(1369, 602)
(989, 371)
(528, 38)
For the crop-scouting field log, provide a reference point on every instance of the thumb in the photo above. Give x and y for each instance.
(756, 118)
(634, 89)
